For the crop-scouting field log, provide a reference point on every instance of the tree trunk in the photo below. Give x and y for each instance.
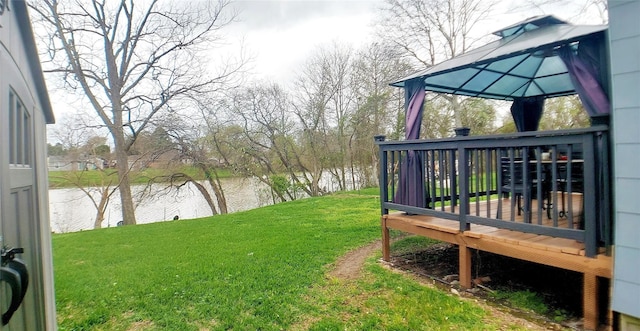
(206, 196)
(217, 189)
(102, 206)
(97, 224)
(214, 182)
(455, 105)
(124, 186)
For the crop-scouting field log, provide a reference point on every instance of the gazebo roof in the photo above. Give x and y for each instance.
(522, 63)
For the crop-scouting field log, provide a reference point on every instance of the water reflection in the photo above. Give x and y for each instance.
(71, 210)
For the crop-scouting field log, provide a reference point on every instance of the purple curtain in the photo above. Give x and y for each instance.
(584, 68)
(527, 113)
(411, 188)
(413, 105)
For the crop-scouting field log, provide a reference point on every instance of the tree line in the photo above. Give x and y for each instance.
(140, 75)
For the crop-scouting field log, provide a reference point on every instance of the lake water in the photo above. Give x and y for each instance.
(71, 210)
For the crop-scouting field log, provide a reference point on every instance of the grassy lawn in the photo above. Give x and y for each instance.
(383, 300)
(59, 179)
(263, 269)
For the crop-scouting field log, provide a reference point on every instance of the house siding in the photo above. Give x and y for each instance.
(624, 38)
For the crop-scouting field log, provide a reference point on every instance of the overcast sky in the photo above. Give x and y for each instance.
(282, 34)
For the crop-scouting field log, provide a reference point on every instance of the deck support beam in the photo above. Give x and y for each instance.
(386, 247)
(590, 301)
(465, 266)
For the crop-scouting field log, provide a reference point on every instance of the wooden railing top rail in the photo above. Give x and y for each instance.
(380, 140)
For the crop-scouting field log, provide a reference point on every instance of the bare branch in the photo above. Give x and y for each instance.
(130, 61)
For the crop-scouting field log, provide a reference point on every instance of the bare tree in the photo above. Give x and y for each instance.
(338, 60)
(269, 146)
(324, 101)
(132, 61)
(583, 12)
(431, 31)
(197, 147)
(85, 154)
(99, 191)
(181, 158)
(377, 106)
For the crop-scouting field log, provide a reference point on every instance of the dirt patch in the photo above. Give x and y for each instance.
(350, 265)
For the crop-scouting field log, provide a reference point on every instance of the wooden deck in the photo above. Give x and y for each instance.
(557, 252)
(539, 214)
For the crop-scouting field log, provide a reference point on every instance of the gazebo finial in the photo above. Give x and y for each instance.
(529, 24)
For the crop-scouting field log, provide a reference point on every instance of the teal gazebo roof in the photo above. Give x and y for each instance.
(522, 63)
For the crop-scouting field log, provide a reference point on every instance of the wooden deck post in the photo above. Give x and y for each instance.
(464, 272)
(590, 301)
(386, 255)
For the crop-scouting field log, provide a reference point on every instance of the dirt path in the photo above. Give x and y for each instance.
(350, 265)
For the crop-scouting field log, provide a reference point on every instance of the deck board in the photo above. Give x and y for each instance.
(558, 252)
(562, 245)
(539, 213)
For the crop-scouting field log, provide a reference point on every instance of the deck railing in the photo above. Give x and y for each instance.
(553, 183)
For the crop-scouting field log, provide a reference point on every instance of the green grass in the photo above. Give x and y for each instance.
(411, 244)
(263, 269)
(523, 299)
(58, 179)
(383, 300)
(531, 301)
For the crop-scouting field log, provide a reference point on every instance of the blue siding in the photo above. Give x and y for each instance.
(627, 295)
(627, 131)
(627, 203)
(627, 228)
(624, 33)
(628, 272)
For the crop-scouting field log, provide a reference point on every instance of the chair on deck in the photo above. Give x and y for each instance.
(512, 181)
(574, 183)
(570, 182)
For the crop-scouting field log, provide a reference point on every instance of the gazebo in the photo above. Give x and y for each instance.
(521, 195)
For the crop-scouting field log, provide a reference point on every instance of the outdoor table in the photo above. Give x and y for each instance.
(547, 178)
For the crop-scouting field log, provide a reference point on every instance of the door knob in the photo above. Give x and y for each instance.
(13, 271)
(12, 278)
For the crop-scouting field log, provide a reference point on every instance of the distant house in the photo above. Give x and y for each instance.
(158, 160)
(162, 160)
(60, 163)
(70, 163)
(27, 298)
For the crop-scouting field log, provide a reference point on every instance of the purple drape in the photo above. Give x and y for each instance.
(527, 113)
(411, 189)
(413, 105)
(584, 68)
